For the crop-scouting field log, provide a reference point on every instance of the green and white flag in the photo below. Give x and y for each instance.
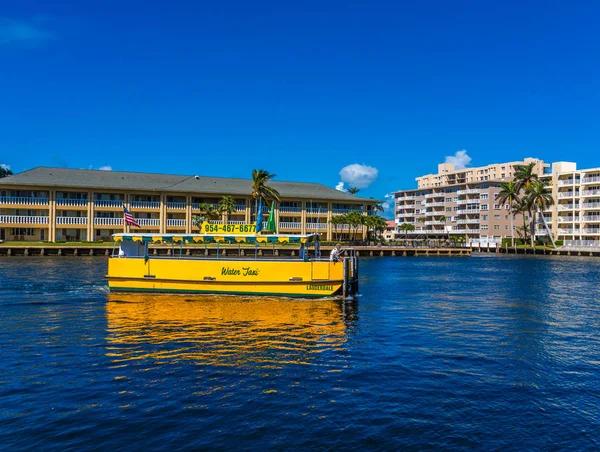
(271, 225)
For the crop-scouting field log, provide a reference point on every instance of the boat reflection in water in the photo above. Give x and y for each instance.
(225, 330)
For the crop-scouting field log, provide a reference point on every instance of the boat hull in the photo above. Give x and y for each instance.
(278, 277)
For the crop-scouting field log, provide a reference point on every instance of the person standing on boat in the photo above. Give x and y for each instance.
(336, 254)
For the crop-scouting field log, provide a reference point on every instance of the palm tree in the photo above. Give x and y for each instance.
(540, 199)
(355, 219)
(524, 176)
(406, 227)
(443, 218)
(207, 212)
(4, 171)
(260, 189)
(509, 192)
(336, 221)
(353, 190)
(227, 206)
(521, 206)
(422, 220)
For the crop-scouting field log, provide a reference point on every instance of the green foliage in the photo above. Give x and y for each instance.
(5, 172)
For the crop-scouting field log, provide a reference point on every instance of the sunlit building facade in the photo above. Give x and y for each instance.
(60, 204)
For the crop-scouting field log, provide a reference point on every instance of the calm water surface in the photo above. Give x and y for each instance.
(490, 352)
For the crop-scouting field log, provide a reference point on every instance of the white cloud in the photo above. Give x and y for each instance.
(460, 159)
(105, 168)
(359, 176)
(4, 166)
(15, 32)
(340, 186)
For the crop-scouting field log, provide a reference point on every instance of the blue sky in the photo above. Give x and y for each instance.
(302, 89)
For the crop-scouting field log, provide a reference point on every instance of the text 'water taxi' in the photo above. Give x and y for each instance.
(238, 271)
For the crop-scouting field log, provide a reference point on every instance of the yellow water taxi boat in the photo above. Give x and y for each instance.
(132, 268)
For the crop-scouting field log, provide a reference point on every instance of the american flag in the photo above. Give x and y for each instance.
(129, 219)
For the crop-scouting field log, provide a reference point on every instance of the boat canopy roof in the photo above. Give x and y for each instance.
(216, 238)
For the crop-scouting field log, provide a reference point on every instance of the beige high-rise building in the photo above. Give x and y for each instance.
(461, 202)
(575, 216)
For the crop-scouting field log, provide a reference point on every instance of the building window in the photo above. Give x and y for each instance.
(448, 199)
(484, 217)
(484, 207)
(496, 195)
(448, 209)
(496, 206)
(496, 226)
(484, 196)
(484, 227)
(496, 217)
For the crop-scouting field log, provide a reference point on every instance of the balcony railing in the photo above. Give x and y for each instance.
(405, 198)
(176, 222)
(69, 202)
(434, 195)
(101, 221)
(29, 201)
(467, 211)
(215, 221)
(591, 205)
(541, 232)
(289, 225)
(590, 193)
(471, 221)
(566, 206)
(592, 218)
(71, 220)
(240, 207)
(566, 194)
(433, 222)
(434, 204)
(316, 226)
(564, 182)
(582, 243)
(343, 211)
(590, 231)
(316, 211)
(22, 219)
(148, 221)
(590, 180)
(174, 205)
(284, 209)
(145, 205)
(236, 222)
(108, 203)
(566, 219)
(568, 231)
(470, 191)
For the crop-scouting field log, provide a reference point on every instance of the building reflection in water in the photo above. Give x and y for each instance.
(225, 330)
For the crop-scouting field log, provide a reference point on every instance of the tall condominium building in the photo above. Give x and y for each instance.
(69, 204)
(575, 216)
(460, 202)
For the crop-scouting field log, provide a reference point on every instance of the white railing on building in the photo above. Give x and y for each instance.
(145, 204)
(316, 211)
(568, 231)
(176, 205)
(470, 191)
(590, 231)
(470, 221)
(236, 222)
(101, 221)
(466, 211)
(434, 195)
(290, 209)
(68, 202)
(591, 218)
(590, 180)
(176, 222)
(582, 243)
(216, 221)
(240, 207)
(148, 221)
(428, 223)
(566, 194)
(289, 225)
(344, 211)
(434, 204)
(590, 193)
(566, 206)
(316, 226)
(71, 220)
(29, 201)
(108, 203)
(566, 219)
(591, 205)
(564, 182)
(23, 219)
(405, 198)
